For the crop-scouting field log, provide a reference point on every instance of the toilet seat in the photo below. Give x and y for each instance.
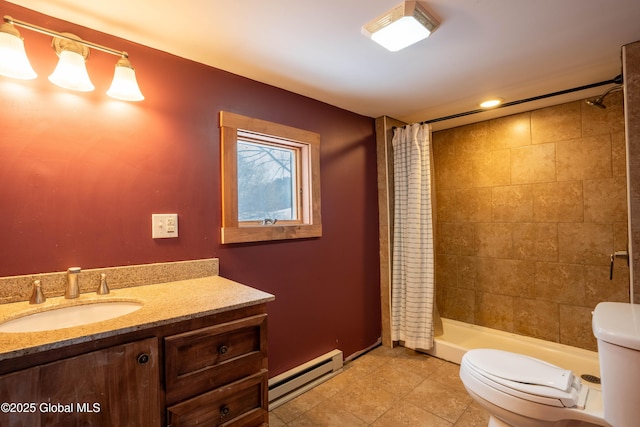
(526, 378)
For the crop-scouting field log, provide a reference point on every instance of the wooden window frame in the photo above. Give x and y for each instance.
(232, 230)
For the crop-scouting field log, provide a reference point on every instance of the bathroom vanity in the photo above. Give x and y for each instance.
(195, 353)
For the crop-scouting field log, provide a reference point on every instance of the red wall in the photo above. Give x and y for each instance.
(81, 175)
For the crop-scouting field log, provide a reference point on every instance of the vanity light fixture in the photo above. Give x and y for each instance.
(13, 58)
(406, 24)
(71, 72)
(491, 103)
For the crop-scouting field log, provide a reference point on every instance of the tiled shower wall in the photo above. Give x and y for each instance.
(529, 209)
(631, 70)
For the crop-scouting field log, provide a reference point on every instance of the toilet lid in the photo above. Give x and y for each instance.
(532, 379)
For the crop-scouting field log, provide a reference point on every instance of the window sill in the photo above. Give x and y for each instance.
(269, 232)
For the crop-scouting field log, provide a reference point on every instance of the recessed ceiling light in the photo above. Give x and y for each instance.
(490, 103)
(406, 24)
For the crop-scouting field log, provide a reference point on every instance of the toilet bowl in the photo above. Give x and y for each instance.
(522, 391)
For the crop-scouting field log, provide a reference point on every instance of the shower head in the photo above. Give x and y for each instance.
(598, 102)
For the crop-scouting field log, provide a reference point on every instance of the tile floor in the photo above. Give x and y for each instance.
(386, 387)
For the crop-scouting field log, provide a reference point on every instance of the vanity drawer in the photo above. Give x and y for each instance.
(240, 403)
(207, 358)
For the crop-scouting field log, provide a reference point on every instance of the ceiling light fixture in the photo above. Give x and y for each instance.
(491, 103)
(71, 72)
(402, 26)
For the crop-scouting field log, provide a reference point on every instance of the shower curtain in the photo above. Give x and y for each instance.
(412, 281)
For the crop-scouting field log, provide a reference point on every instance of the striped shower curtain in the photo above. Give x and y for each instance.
(412, 281)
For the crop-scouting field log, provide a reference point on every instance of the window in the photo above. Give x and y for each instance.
(270, 181)
(268, 184)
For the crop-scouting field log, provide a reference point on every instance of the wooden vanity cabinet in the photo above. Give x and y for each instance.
(116, 386)
(218, 375)
(207, 371)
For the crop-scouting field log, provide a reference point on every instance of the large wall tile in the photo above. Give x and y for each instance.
(620, 236)
(536, 241)
(557, 123)
(451, 170)
(558, 202)
(467, 272)
(584, 158)
(560, 283)
(605, 200)
(456, 239)
(459, 304)
(510, 131)
(598, 286)
(506, 277)
(446, 270)
(494, 311)
(492, 168)
(596, 121)
(473, 205)
(513, 203)
(535, 163)
(584, 243)
(495, 240)
(538, 319)
(575, 327)
(472, 138)
(446, 210)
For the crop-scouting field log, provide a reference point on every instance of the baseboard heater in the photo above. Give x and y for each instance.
(296, 381)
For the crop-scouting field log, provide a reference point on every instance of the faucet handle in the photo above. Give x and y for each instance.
(37, 297)
(103, 289)
(617, 254)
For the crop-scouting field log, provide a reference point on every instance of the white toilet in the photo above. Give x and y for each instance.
(520, 391)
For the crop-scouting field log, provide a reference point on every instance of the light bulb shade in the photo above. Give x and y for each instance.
(13, 58)
(124, 85)
(71, 73)
(402, 26)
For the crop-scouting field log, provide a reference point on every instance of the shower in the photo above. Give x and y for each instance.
(598, 102)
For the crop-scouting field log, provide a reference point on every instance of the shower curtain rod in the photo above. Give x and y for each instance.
(615, 80)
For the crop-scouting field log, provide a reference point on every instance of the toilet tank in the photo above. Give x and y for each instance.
(617, 328)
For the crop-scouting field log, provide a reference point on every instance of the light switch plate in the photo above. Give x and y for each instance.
(164, 226)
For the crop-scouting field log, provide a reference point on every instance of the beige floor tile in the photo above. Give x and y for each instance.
(386, 387)
(329, 413)
(296, 407)
(449, 374)
(406, 414)
(473, 416)
(339, 382)
(366, 399)
(395, 379)
(275, 420)
(442, 400)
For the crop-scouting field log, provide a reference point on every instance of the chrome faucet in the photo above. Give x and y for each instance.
(72, 290)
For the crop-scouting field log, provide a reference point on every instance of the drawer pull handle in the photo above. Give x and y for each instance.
(224, 411)
(143, 359)
(223, 349)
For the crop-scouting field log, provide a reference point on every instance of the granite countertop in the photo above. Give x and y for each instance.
(162, 304)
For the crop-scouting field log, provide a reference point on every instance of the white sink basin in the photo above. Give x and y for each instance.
(69, 316)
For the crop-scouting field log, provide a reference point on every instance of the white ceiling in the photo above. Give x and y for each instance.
(513, 49)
